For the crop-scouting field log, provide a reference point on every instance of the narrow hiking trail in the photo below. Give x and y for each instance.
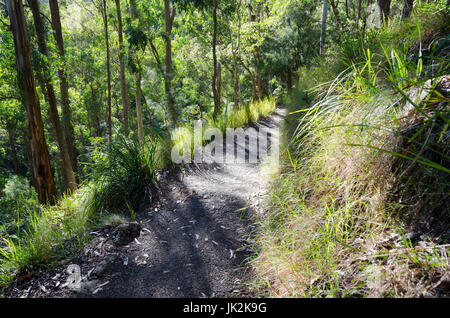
(193, 241)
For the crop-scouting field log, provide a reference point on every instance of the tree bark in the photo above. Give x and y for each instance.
(123, 85)
(27, 151)
(41, 170)
(140, 122)
(258, 77)
(108, 71)
(385, 8)
(169, 15)
(138, 76)
(407, 8)
(214, 82)
(68, 175)
(289, 80)
(64, 88)
(252, 77)
(12, 144)
(358, 14)
(323, 27)
(334, 7)
(147, 109)
(236, 53)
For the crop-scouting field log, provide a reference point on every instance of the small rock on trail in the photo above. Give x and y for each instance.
(126, 233)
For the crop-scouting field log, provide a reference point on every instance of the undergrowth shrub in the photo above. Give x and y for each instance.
(18, 199)
(124, 174)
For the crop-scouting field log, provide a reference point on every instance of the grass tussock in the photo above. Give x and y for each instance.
(360, 208)
(186, 138)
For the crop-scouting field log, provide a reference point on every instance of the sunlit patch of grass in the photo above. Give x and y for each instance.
(250, 113)
(50, 233)
(185, 137)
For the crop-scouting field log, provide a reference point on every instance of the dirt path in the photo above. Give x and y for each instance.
(193, 238)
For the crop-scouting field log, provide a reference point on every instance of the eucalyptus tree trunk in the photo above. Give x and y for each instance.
(385, 8)
(27, 151)
(64, 88)
(334, 7)
(108, 71)
(67, 172)
(236, 54)
(407, 8)
(215, 79)
(123, 85)
(12, 144)
(169, 15)
(235, 51)
(140, 122)
(358, 14)
(41, 170)
(138, 76)
(258, 76)
(323, 26)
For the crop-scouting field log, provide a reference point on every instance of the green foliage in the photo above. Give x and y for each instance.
(124, 175)
(19, 196)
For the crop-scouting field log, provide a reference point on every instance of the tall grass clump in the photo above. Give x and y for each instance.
(360, 208)
(246, 114)
(185, 138)
(124, 173)
(47, 234)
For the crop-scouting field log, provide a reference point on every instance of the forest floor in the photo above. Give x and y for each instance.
(194, 239)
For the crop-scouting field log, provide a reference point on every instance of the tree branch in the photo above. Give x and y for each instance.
(156, 55)
(172, 14)
(6, 97)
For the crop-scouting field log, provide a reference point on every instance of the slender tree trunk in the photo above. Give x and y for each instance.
(289, 80)
(68, 175)
(214, 82)
(235, 81)
(12, 144)
(346, 8)
(259, 80)
(95, 120)
(323, 27)
(108, 71)
(138, 76)
(169, 15)
(140, 122)
(41, 169)
(64, 87)
(358, 14)
(334, 7)
(385, 8)
(147, 109)
(258, 76)
(27, 150)
(407, 8)
(252, 77)
(83, 143)
(123, 85)
(236, 54)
